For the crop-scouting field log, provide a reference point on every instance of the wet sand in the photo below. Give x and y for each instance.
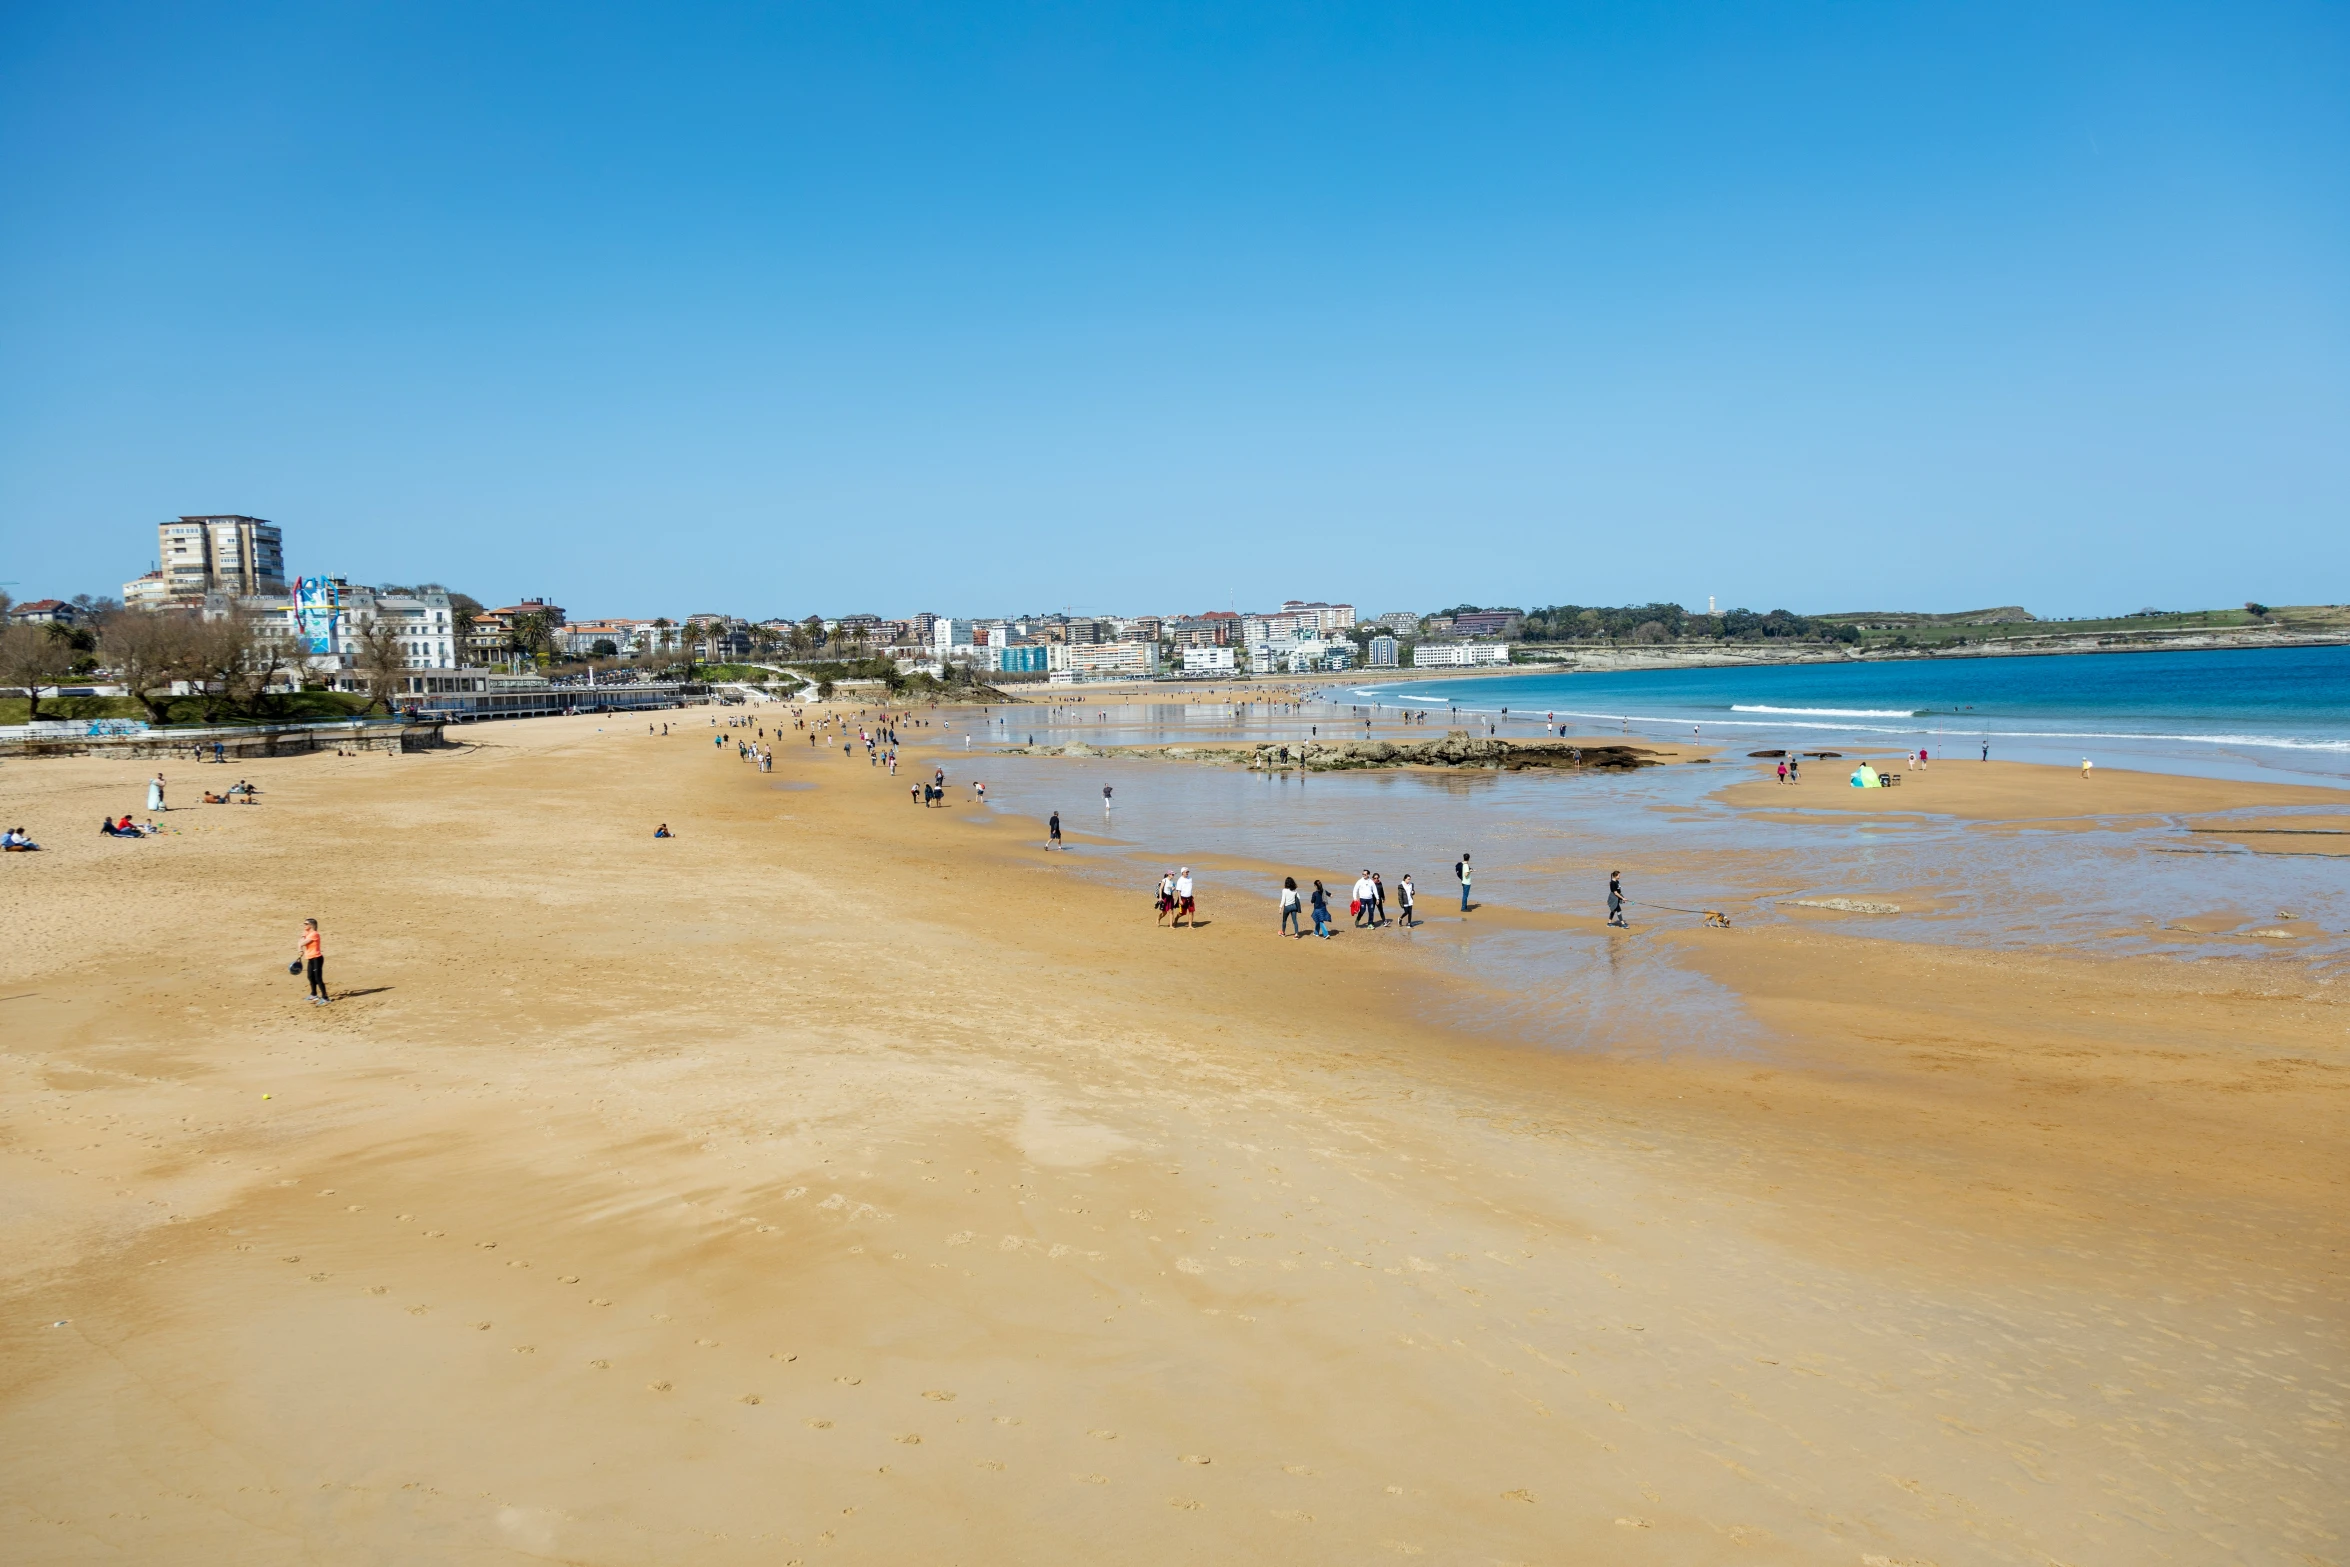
(842, 1180)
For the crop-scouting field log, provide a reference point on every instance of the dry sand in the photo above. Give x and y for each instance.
(841, 1181)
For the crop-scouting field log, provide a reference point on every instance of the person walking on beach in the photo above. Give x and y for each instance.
(1782, 774)
(1403, 898)
(1360, 898)
(1378, 899)
(1054, 827)
(1615, 899)
(1465, 873)
(1166, 896)
(1185, 908)
(314, 962)
(1289, 909)
(1795, 769)
(155, 793)
(1321, 911)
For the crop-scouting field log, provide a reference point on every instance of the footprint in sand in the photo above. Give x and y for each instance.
(751, 1398)
(940, 1397)
(989, 1463)
(481, 1327)
(657, 1387)
(599, 1302)
(1295, 1469)
(780, 1355)
(820, 1425)
(848, 1381)
(526, 1349)
(601, 1365)
(1183, 1502)
(707, 1343)
(1292, 1515)
(1093, 1479)
(379, 1289)
(1195, 1458)
(1106, 1436)
(569, 1278)
(910, 1440)
(1517, 1496)
(289, 1259)
(418, 1311)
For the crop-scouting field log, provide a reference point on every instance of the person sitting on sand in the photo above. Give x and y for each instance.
(663, 831)
(17, 841)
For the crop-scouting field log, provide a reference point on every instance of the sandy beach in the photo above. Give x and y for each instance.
(845, 1181)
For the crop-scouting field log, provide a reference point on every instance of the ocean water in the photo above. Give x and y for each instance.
(2273, 713)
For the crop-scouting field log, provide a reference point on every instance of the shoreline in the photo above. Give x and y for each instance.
(843, 1174)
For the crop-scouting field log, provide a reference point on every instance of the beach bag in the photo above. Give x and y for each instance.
(294, 967)
(1354, 906)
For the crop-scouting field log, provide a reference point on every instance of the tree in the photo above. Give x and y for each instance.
(30, 657)
(531, 635)
(259, 657)
(464, 612)
(212, 659)
(145, 650)
(2256, 611)
(383, 661)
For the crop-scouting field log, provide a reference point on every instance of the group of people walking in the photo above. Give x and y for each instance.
(1366, 901)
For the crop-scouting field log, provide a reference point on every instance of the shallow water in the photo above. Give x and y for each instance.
(1545, 842)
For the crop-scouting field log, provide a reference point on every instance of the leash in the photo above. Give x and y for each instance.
(1713, 917)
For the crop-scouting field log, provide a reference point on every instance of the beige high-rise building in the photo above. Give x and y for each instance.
(240, 556)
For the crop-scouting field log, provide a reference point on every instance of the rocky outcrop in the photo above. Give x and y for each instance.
(1458, 749)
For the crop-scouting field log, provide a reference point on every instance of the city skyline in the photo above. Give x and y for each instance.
(1807, 308)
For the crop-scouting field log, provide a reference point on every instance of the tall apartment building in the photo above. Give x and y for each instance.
(243, 557)
(1068, 661)
(1324, 617)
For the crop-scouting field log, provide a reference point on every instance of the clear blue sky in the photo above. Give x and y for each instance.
(818, 308)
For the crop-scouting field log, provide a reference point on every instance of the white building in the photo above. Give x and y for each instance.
(1070, 662)
(1459, 655)
(1383, 653)
(1209, 661)
(949, 637)
(419, 622)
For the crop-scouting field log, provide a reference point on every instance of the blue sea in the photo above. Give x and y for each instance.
(2281, 714)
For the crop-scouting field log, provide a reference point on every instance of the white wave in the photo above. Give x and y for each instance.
(1977, 730)
(1835, 712)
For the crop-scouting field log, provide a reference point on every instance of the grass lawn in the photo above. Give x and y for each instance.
(298, 707)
